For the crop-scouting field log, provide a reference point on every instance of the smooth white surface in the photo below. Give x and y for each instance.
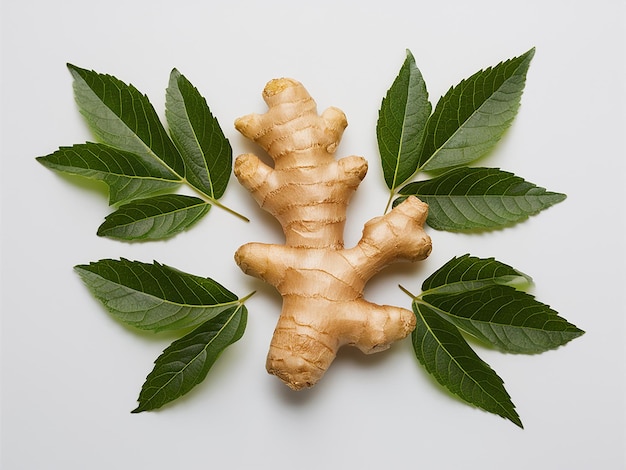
(71, 374)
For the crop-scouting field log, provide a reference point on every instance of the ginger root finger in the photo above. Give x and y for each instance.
(305, 343)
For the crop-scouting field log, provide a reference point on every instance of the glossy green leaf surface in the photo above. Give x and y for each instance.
(127, 176)
(154, 218)
(186, 362)
(154, 296)
(122, 117)
(465, 273)
(401, 122)
(466, 199)
(205, 150)
(472, 116)
(506, 318)
(444, 353)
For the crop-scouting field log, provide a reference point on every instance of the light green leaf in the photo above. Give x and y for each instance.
(505, 318)
(466, 199)
(127, 176)
(205, 150)
(154, 218)
(187, 361)
(154, 296)
(401, 123)
(444, 353)
(465, 273)
(472, 116)
(120, 116)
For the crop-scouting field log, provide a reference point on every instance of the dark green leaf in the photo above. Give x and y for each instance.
(120, 116)
(466, 273)
(186, 362)
(154, 296)
(472, 116)
(127, 176)
(401, 123)
(154, 218)
(466, 199)
(205, 150)
(444, 353)
(508, 319)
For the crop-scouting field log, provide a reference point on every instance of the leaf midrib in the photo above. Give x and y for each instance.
(178, 304)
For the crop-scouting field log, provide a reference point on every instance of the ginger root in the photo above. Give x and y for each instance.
(320, 281)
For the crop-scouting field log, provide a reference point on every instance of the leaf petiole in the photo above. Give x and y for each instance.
(243, 300)
(392, 193)
(407, 292)
(227, 209)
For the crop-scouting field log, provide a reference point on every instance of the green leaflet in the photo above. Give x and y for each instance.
(120, 116)
(465, 273)
(154, 296)
(154, 218)
(127, 176)
(205, 150)
(401, 123)
(508, 319)
(476, 296)
(466, 199)
(472, 116)
(467, 122)
(444, 353)
(137, 159)
(186, 362)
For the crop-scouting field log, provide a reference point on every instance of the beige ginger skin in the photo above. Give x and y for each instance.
(320, 281)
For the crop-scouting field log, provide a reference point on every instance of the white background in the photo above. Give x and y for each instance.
(71, 374)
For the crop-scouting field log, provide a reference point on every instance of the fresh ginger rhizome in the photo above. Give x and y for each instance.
(320, 281)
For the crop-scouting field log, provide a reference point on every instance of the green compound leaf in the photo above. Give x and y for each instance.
(467, 199)
(154, 218)
(127, 176)
(120, 116)
(506, 318)
(205, 150)
(401, 123)
(186, 362)
(472, 116)
(444, 353)
(465, 273)
(154, 296)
